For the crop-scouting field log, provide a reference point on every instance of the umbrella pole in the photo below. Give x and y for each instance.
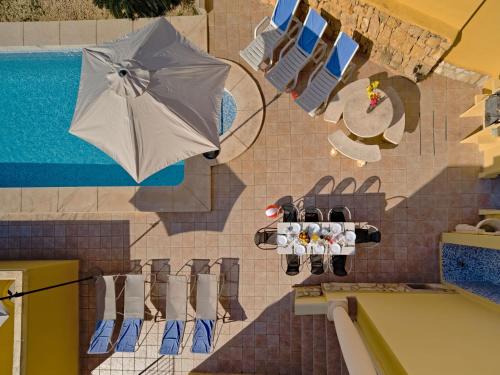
(96, 272)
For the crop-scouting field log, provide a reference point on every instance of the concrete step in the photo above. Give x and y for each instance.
(319, 345)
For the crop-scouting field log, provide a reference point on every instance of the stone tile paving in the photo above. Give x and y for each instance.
(419, 189)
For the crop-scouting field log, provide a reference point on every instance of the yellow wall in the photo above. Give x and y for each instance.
(478, 48)
(435, 333)
(50, 319)
(6, 332)
(443, 17)
(476, 36)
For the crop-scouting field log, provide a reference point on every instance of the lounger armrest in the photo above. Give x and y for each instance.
(348, 72)
(295, 28)
(313, 74)
(320, 52)
(286, 47)
(255, 31)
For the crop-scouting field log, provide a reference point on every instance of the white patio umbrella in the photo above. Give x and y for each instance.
(150, 99)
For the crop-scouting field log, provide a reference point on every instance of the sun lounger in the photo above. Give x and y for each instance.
(281, 26)
(105, 315)
(176, 305)
(293, 58)
(133, 314)
(206, 313)
(360, 152)
(327, 75)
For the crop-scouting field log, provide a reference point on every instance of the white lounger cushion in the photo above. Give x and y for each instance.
(134, 297)
(206, 297)
(176, 297)
(352, 149)
(105, 298)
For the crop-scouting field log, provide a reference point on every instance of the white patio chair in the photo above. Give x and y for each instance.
(281, 26)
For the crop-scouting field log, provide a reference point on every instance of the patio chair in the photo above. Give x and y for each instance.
(368, 234)
(281, 26)
(176, 313)
(292, 264)
(133, 314)
(338, 265)
(297, 53)
(206, 313)
(338, 214)
(327, 75)
(105, 315)
(311, 215)
(317, 261)
(265, 239)
(290, 213)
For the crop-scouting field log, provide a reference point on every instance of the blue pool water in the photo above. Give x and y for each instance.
(474, 269)
(38, 93)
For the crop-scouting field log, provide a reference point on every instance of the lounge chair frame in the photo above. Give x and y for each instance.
(267, 60)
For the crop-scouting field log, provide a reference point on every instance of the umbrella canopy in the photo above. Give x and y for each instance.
(150, 99)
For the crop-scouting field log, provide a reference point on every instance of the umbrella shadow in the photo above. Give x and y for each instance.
(226, 188)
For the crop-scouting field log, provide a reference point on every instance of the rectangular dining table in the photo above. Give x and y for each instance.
(346, 248)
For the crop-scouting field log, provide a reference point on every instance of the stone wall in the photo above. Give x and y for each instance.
(404, 48)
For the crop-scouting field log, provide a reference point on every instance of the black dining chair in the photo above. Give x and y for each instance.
(312, 215)
(317, 267)
(265, 239)
(368, 234)
(290, 213)
(292, 264)
(339, 214)
(338, 265)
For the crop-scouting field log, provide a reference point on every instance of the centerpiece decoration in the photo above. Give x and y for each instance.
(373, 95)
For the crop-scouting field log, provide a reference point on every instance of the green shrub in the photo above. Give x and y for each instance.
(137, 8)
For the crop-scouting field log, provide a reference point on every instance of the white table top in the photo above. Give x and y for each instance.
(367, 125)
(321, 246)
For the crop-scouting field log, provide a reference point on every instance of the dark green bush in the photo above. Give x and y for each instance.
(137, 8)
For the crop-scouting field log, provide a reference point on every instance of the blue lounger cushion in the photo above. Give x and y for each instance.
(129, 335)
(311, 32)
(283, 13)
(342, 54)
(101, 337)
(172, 336)
(202, 338)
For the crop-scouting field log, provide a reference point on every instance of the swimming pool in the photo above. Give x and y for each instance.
(227, 113)
(38, 92)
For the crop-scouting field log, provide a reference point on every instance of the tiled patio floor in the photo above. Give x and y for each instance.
(422, 187)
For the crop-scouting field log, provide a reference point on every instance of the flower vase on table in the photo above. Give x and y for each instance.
(373, 95)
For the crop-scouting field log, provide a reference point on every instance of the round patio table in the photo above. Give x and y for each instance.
(367, 125)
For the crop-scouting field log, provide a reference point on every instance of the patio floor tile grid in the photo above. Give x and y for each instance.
(424, 186)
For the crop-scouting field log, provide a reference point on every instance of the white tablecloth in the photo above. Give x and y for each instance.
(346, 247)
